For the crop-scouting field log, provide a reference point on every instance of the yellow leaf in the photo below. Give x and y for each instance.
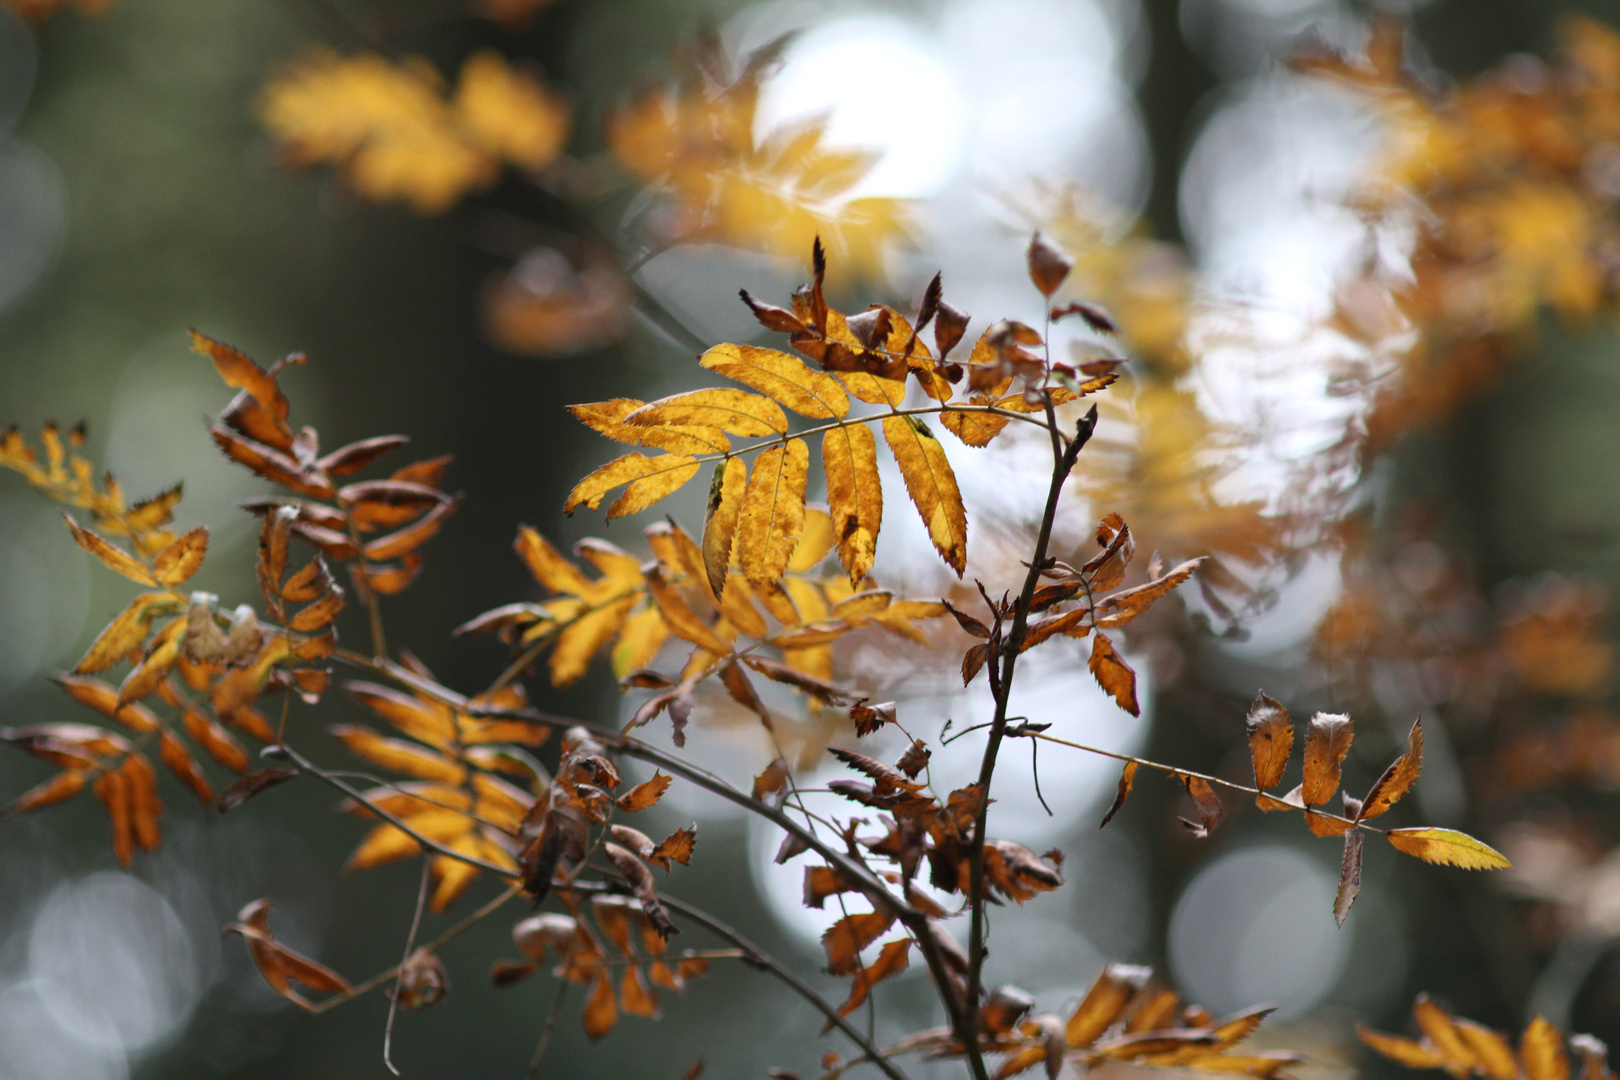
(1449, 847)
(773, 511)
(720, 520)
(581, 640)
(681, 619)
(607, 418)
(786, 378)
(127, 633)
(973, 427)
(650, 479)
(931, 485)
(735, 411)
(815, 541)
(509, 113)
(854, 495)
(398, 755)
(113, 558)
(387, 124)
(548, 565)
(643, 635)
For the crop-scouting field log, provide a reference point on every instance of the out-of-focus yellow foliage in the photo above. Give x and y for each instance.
(1145, 284)
(1506, 185)
(398, 135)
(40, 10)
(1159, 458)
(695, 142)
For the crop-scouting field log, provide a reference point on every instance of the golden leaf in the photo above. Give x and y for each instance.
(931, 485)
(785, 378)
(1271, 740)
(772, 516)
(1398, 779)
(509, 113)
(650, 479)
(854, 495)
(112, 557)
(1449, 847)
(734, 411)
(1325, 746)
(607, 418)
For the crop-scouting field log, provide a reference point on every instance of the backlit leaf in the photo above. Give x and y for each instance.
(1449, 847)
(854, 495)
(650, 479)
(732, 411)
(1398, 779)
(773, 511)
(1113, 674)
(1127, 779)
(112, 557)
(778, 375)
(1271, 740)
(726, 493)
(1325, 746)
(177, 562)
(932, 486)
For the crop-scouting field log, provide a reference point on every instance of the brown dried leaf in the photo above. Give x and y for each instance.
(1271, 740)
(278, 965)
(1325, 746)
(1113, 674)
(1048, 266)
(844, 940)
(251, 785)
(1127, 779)
(1349, 876)
(891, 960)
(720, 520)
(1398, 779)
(773, 779)
(644, 794)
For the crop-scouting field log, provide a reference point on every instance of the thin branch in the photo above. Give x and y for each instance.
(307, 766)
(545, 1032)
(1063, 461)
(870, 885)
(410, 945)
(433, 946)
(1216, 780)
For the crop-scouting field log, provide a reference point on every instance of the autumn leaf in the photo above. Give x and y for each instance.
(726, 494)
(1398, 779)
(854, 495)
(782, 377)
(1127, 779)
(932, 486)
(650, 479)
(772, 515)
(1326, 744)
(1449, 847)
(1271, 740)
(112, 557)
(1113, 674)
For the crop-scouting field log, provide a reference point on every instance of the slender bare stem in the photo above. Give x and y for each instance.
(410, 944)
(1216, 780)
(1063, 459)
(545, 1032)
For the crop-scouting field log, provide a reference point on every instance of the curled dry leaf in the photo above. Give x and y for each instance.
(1113, 674)
(1127, 780)
(280, 966)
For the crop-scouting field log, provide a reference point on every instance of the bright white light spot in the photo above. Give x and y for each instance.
(32, 1047)
(883, 87)
(1256, 926)
(112, 964)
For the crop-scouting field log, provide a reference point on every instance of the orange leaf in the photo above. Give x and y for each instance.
(1113, 674)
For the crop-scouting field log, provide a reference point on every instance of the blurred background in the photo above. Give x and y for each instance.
(1366, 271)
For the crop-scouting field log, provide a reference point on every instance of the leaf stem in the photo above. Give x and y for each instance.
(410, 945)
